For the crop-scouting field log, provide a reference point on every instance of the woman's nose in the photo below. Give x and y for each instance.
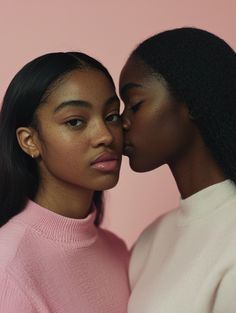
(125, 122)
(102, 135)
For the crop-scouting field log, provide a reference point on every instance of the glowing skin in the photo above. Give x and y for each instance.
(79, 142)
(159, 130)
(156, 125)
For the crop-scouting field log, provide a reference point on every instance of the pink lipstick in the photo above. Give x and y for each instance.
(107, 162)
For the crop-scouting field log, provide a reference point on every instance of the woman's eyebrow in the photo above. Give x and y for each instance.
(76, 103)
(83, 103)
(124, 89)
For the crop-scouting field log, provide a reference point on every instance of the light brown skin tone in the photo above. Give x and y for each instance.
(159, 130)
(78, 122)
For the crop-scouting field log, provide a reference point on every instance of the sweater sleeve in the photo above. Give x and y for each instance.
(12, 299)
(226, 294)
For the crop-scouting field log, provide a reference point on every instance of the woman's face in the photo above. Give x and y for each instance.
(157, 128)
(80, 133)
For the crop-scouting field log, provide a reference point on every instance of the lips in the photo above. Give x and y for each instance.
(106, 162)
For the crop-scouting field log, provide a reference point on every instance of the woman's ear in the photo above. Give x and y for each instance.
(27, 139)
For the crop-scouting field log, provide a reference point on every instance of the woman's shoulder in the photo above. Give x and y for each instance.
(112, 239)
(115, 245)
(147, 236)
(143, 246)
(14, 252)
(11, 237)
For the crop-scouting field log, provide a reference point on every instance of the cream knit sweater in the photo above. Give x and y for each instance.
(185, 262)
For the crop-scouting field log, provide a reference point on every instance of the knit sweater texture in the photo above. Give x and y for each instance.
(186, 260)
(54, 264)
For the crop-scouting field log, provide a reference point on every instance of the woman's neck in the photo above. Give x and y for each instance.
(71, 202)
(196, 171)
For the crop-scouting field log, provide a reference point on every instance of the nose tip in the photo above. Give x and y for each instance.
(125, 123)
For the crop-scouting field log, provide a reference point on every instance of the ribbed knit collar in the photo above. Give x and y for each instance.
(206, 201)
(80, 232)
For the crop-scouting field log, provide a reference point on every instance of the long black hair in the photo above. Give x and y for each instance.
(200, 70)
(19, 173)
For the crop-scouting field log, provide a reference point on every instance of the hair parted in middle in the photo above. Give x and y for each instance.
(27, 91)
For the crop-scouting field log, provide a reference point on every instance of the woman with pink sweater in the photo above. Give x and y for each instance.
(60, 147)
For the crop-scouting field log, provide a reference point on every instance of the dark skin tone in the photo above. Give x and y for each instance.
(78, 123)
(159, 130)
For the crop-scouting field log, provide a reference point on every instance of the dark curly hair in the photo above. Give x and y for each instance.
(19, 173)
(200, 70)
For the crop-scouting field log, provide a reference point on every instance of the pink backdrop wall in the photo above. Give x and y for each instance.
(109, 30)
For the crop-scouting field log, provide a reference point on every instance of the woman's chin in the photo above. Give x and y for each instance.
(107, 184)
(140, 166)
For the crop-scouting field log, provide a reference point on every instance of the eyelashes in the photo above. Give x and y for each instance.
(77, 123)
(113, 118)
(134, 108)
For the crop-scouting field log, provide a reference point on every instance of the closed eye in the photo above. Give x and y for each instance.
(134, 108)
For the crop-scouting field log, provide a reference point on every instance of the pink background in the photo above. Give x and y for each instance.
(109, 30)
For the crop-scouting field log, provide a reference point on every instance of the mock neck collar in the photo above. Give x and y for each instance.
(61, 229)
(205, 201)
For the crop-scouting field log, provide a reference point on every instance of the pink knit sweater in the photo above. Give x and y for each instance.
(53, 264)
